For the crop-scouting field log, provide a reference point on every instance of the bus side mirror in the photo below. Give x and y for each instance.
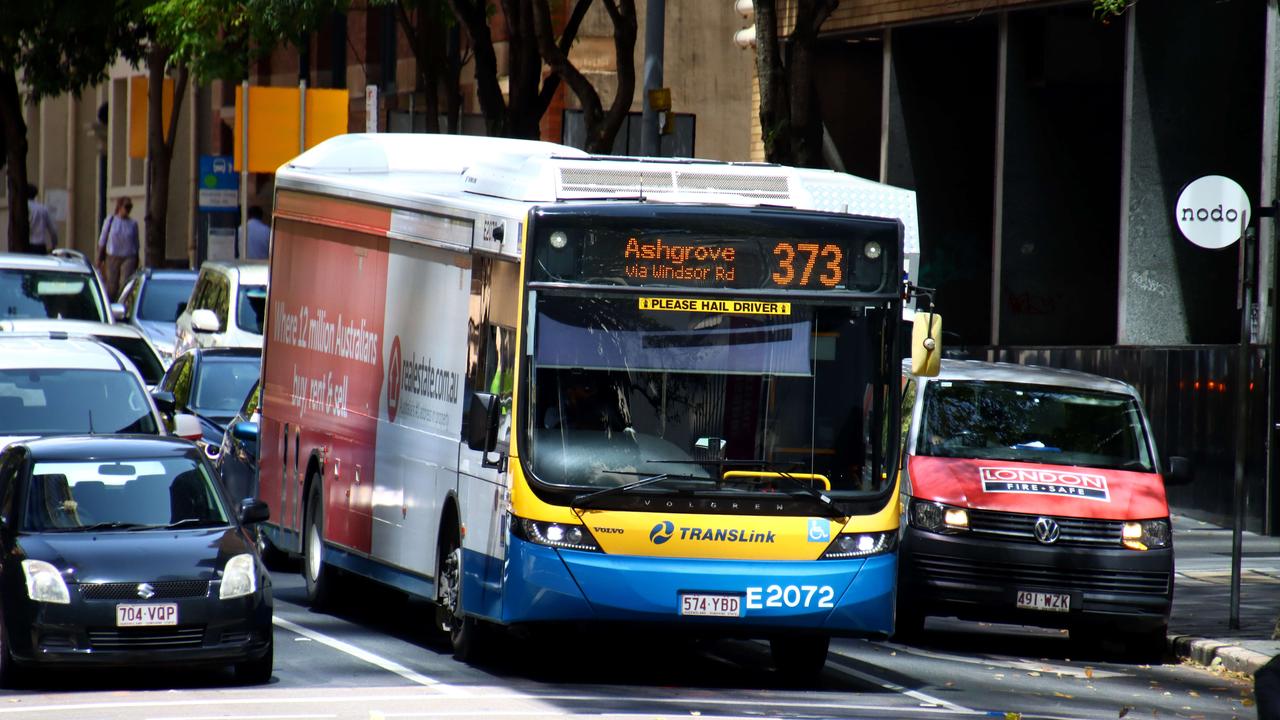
(482, 422)
(1180, 472)
(926, 344)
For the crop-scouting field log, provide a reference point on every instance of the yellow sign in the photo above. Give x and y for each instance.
(736, 307)
(138, 104)
(274, 119)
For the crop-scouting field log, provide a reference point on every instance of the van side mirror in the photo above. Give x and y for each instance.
(926, 344)
(1180, 472)
(253, 511)
(482, 422)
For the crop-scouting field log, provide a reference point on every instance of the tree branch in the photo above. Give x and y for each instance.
(567, 38)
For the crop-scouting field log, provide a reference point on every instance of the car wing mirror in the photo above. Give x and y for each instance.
(117, 311)
(245, 431)
(253, 511)
(1179, 472)
(187, 427)
(164, 401)
(204, 320)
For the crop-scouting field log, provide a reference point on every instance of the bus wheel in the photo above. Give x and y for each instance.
(464, 631)
(318, 577)
(800, 657)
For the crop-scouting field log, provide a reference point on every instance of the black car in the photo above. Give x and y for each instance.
(211, 384)
(122, 550)
(237, 461)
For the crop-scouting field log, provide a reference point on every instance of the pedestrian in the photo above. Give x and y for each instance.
(118, 247)
(43, 238)
(259, 245)
(1266, 690)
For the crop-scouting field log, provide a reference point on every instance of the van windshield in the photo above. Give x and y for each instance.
(1033, 424)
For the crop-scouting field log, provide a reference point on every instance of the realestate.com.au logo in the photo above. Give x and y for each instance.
(662, 532)
(393, 379)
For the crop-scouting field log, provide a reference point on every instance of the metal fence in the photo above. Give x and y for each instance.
(1190, 395)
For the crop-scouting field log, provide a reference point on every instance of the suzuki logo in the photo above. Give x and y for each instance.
(1047, 530)
(662, 532)
(145, 591)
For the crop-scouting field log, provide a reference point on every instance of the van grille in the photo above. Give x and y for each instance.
(1002, 574)
(1074, 531)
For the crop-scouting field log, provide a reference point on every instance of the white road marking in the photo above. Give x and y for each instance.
(894, 687)
(1010, 664)
(61, 710)
(377, 660)
(244, 717)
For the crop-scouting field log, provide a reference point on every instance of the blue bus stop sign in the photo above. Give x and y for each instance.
(219, 184)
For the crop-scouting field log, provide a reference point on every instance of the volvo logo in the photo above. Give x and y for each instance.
(1047, 530)
(662, 532)
(145, 591)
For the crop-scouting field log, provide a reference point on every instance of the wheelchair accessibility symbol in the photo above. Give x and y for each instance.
(819, 530)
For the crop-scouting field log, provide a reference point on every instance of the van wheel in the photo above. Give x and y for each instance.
(800, 658)
(466, 634)
(318, 576)
(908, 624)
(1148, 646)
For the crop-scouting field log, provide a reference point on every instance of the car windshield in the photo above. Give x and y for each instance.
(620, 392)
(128, 494)
(164, 297)
(48, 294)
(1034, 424)
(140, 354)
(223, 384)
(251, 308)
(59, 402)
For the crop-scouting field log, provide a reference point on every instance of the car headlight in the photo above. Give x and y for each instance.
(560, 535)
(45, 583)
(240, 577)
(1146, 535)
(938, 518)
(857, 545)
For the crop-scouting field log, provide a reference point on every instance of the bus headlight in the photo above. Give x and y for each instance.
(552, 534)
(857, 545)
(1146, 535)
(45, 583)
(938, 518)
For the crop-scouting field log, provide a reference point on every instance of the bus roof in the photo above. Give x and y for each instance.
(505, 176)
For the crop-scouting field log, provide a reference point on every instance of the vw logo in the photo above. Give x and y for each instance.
(145, 591)
(662, 532)
(1047, 530)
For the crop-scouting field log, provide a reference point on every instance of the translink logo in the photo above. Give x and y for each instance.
(664, 531)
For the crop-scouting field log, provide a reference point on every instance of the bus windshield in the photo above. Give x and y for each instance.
(624, 387)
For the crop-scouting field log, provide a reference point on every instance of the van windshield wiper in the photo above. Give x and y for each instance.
(821, 499)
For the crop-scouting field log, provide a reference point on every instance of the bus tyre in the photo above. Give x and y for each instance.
(800, 657)
(465, 632)
(318, 576)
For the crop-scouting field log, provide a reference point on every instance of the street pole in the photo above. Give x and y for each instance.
(242, 240)
(655, 25)
(1244, 299)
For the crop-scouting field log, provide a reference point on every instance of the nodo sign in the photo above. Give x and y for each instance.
(1212, 211)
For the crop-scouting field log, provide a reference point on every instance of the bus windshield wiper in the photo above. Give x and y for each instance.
(821, 499)
(581, 502)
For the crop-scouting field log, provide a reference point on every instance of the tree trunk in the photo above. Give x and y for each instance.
(452, 82)
(15, 140)
(422, 36)
(774, 102)
(160, 143)
(473, 15)
(806, 118)
(524, 71)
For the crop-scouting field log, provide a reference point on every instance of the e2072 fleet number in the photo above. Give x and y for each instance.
(790, 596)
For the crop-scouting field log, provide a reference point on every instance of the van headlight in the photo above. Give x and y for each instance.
(45, 583)
(857, 545)
(239, 578)
(1146, 534)
(936, 517)
(553, 534)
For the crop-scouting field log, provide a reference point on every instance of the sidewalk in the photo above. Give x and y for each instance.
(1202, 597)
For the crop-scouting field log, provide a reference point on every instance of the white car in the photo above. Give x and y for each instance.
(54, 384)
(128, 339)
(63, 285)
(228, 307)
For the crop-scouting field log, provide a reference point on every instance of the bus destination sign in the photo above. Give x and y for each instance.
(809, 265)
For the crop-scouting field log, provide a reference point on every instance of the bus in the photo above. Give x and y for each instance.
(540, 387)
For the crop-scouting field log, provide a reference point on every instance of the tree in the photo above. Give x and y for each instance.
(430, 25)
(601, 127)
(528, 94)
(52, 47)
(210, 40)
(790, 124)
